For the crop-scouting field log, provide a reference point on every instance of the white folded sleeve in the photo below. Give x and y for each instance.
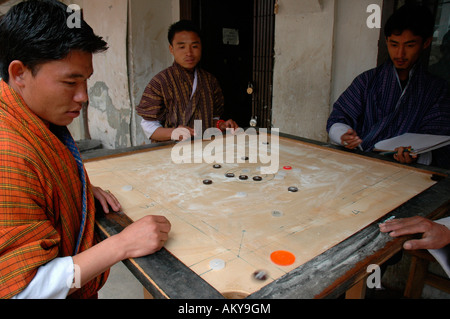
(336, 131)
(52, 281)
(442, 255)
(150, 127)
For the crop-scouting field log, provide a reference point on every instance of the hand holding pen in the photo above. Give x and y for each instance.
(351, 140)
(404, 155)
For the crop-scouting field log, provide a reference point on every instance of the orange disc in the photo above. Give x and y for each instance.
(282, 258)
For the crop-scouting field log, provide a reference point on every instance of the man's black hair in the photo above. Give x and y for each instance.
(417, 19)
(180, 26)
(37, 31)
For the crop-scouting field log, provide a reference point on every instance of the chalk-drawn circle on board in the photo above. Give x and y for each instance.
(127, 188)
(217, 264)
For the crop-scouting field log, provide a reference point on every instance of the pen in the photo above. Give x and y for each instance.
(408, 150)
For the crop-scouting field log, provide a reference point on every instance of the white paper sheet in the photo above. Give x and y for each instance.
(420, 143)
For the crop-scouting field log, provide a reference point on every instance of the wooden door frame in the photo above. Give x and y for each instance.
(263, 55)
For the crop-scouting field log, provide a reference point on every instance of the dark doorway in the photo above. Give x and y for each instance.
(233, 42)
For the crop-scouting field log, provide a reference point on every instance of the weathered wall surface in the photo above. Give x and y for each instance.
(109, 109)
(136, 32)
(355, 44)
(303, 64)
(320, 47)
(149, 22)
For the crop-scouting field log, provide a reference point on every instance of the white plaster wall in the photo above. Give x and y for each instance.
(303, 65)
(136, 32)
(149, 22)
(355, 45)
(110, 108)
(320, 46)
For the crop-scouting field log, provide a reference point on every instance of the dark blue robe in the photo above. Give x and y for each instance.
(377, 107)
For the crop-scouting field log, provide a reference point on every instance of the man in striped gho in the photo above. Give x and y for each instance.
(183, 93)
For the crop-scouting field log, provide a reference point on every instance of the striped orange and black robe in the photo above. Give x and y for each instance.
(167, 98)
(40, 199)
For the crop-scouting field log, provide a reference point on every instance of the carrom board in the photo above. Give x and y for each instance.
(227, 230)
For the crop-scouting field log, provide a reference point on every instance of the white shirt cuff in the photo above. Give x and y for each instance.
(52, 281)
(336, 132)
(442, 255)
(425, 158)
(150, 127)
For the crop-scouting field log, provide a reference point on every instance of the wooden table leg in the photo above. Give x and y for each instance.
(357, 291)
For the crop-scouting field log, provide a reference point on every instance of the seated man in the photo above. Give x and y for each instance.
(47, 208)
(182, 93)
(397, 97)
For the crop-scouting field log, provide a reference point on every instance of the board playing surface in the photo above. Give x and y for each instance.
(230, 230)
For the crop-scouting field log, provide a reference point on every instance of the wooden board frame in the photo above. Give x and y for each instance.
(350, 258)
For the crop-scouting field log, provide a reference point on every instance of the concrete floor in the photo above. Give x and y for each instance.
(121, 284)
